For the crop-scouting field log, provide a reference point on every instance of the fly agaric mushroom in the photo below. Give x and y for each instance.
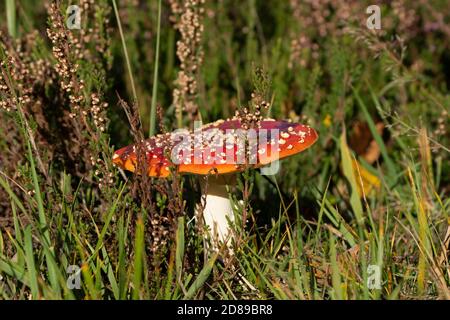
(219, 148)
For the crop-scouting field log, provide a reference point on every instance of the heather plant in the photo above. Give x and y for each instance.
(362, 214)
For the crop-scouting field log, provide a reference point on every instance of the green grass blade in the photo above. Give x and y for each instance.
(180, 247)
(108, 269)
(338, 221)
(18, 234)
(138, 258)
(12, 195)
(11, 17)
(14, 270)
(168, 291)
(202, 277)
(152, 130)
(31, 267)
(108, 219)
(125, 51)
(122, 272)
(43, 226)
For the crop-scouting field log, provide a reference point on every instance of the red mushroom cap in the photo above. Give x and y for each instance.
(220, 147)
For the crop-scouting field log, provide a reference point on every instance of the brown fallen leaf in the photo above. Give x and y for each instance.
(361, 141)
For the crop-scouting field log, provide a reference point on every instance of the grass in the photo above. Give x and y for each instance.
(370, 198)
(11, 17)
(152, 129)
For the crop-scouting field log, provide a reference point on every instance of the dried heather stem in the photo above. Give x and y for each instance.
(87, 114)
(187, 16)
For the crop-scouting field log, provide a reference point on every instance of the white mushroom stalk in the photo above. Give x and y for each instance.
(217, 211)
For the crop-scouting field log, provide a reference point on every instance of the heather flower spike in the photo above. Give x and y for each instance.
(219, 148)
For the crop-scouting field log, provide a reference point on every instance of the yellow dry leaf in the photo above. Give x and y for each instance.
(327, 121)
(365, 180)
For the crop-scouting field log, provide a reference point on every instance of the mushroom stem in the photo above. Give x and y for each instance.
(217, 211)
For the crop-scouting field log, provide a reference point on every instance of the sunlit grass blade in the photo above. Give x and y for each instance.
(335, 272)
(89, 282)
(2, 244)
(347, 167)
(424, 233)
